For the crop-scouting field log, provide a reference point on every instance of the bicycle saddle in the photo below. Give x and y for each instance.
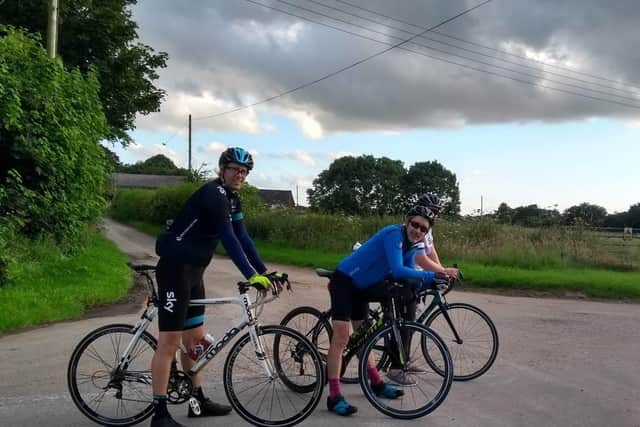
(141, 267)
(324, 273)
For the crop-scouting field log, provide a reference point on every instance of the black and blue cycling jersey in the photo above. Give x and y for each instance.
(212, 214)
(387, 254)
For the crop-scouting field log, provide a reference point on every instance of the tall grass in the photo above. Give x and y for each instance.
(475, 240)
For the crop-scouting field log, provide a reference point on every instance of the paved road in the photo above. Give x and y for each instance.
(561, 362)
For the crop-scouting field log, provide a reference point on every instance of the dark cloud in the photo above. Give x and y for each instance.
(235, 52)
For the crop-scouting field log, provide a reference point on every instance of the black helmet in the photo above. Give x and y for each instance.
(423, 211)
(236, 155)
(431, 201)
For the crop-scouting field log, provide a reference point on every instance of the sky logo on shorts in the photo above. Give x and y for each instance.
(170, 300)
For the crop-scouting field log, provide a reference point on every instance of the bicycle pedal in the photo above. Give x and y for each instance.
(195, 406)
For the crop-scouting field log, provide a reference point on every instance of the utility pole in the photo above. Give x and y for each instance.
(189, 142)
(481, 206)
(297, 200)
(52, 29)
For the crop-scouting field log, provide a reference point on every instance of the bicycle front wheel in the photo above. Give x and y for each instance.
(269, 400)
(106, 393)
(422, 389)
(477, 348)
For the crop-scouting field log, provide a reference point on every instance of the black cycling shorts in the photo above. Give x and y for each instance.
(349, 302)
(177, 284)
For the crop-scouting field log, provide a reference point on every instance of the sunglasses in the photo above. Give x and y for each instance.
(419, 226)
(238, 171)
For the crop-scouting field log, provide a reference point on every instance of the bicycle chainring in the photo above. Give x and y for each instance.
(180, 387)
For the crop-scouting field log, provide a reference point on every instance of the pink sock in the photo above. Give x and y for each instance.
(334, 388)
(374, 375)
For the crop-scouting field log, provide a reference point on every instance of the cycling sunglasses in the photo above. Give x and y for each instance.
(419, 226)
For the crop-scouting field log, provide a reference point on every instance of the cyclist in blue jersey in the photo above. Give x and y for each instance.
(359, 278)
(213, 213)
(427, 260)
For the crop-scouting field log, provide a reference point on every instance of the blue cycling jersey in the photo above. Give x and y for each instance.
(212, 214)
(388, 254)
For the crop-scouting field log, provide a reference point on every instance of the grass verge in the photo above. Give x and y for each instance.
(47, 286)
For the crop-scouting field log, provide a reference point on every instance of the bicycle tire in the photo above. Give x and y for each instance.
(105, 382)
(475, 355)
(316, 329)
(236, 376)
(442, 383)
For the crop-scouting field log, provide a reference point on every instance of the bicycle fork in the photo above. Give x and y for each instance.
(445, 313)
(259, 347)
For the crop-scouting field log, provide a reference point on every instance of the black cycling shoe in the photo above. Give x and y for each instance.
(207, 408)
(165, 422)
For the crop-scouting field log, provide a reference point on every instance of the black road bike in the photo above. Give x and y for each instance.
(470, 334)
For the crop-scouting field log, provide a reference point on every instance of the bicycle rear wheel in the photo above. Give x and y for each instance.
(424, 389)
(105, 394)
(271, 401)
(313, 324)
(474, 354)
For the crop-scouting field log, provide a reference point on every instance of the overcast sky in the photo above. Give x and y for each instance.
(510, 97)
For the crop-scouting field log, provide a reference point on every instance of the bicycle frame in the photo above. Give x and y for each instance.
(362, 335)
(439, 301)
(247, 319)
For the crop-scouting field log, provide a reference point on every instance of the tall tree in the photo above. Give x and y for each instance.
(432, 177)
(504, 214)
(154, 165)
(585, 214)
(100, 35)
(362, 185)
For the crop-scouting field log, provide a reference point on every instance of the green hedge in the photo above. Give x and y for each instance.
(475, 240)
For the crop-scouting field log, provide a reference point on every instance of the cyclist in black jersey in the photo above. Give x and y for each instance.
(213, 213)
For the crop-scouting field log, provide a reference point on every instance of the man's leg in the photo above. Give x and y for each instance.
(205, 407)
(160, 369)
(396, 372)
(340, 289)
(335, 401)
(194, 332)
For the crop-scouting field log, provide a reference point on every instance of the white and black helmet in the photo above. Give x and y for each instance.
(431, 201)
(423, 211)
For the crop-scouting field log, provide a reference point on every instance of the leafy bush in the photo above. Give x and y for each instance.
(157, 206)
(51, 166)
(7, 235)
(166, 202)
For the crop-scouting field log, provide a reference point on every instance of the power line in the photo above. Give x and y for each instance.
(540, 85)
(475, 52)
(348, 67)
(633, 85)
(500, 67)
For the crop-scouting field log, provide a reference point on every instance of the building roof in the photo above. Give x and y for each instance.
(131, 180)
(277, 197)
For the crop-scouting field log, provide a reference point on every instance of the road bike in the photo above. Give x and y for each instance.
(390, 341)
(109, 373)
(470, 334)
